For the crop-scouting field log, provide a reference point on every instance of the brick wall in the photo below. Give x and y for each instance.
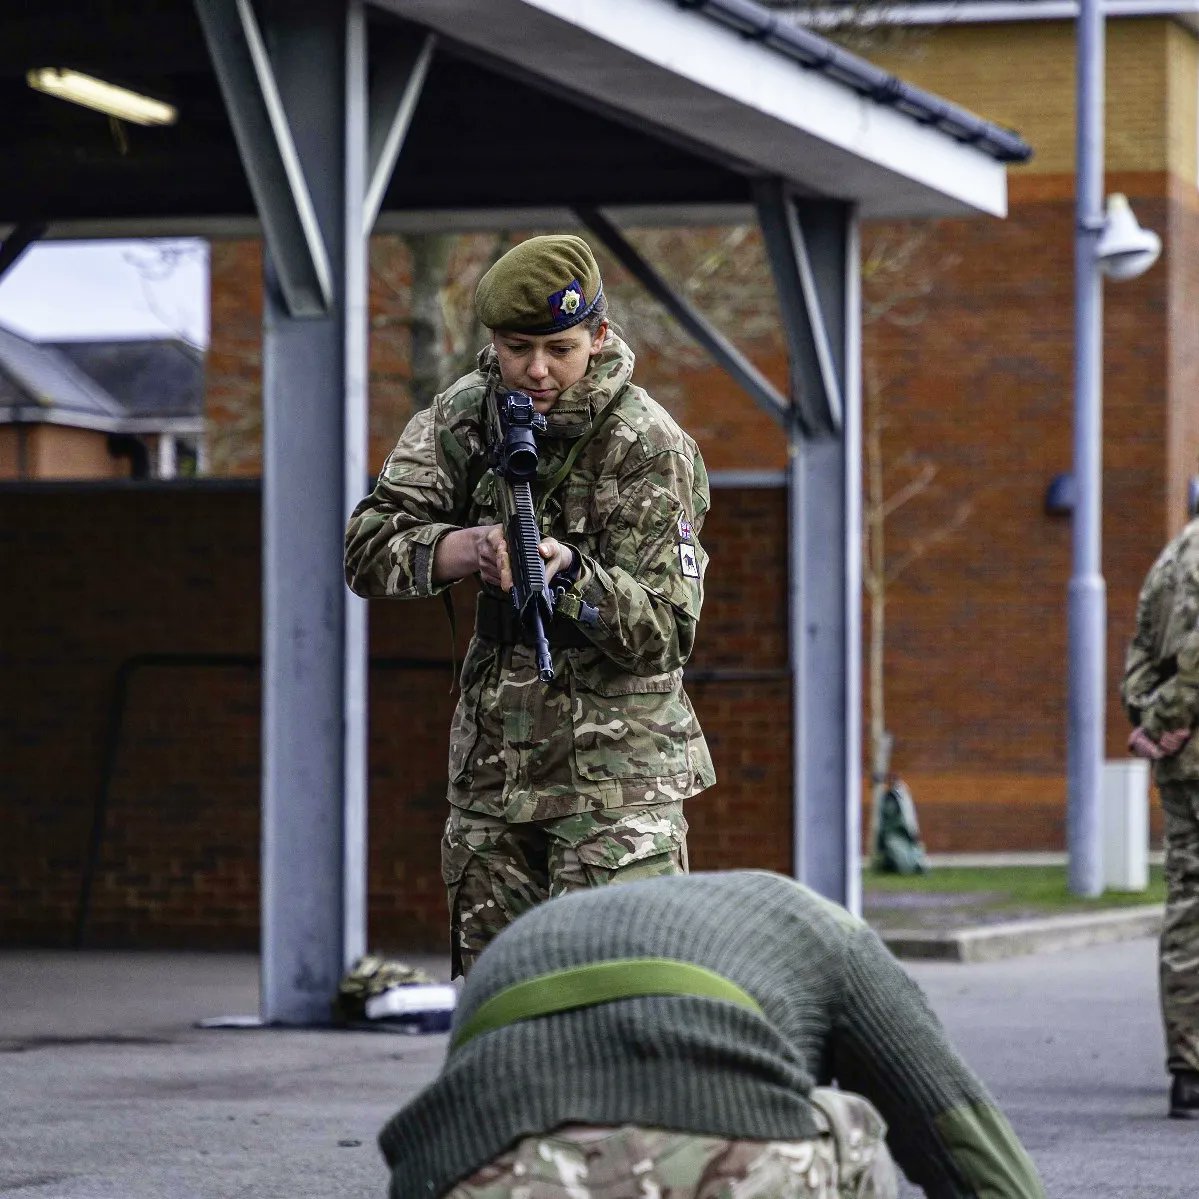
(110, 573)
(980, 390)
(173, 571)
(733, 431)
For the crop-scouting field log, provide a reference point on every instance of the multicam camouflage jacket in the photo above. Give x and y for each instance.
(614, 728)
(1160, 689)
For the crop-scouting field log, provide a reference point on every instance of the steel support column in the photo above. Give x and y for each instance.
(813, 249)
(1087, 596)
(314, 451)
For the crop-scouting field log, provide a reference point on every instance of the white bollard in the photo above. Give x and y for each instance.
(1126, 824)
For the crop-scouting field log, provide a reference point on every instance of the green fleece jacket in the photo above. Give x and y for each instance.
(835, 1006)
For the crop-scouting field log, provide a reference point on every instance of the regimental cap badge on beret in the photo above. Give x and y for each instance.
(566, 303)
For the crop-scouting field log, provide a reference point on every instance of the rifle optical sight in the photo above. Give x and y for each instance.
(519, 422)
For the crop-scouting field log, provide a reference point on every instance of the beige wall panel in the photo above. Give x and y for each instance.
(1183, 103)
(56, 452)
(1022, 76)
(10, 452)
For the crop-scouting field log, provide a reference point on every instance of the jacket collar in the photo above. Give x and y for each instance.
(578, 405)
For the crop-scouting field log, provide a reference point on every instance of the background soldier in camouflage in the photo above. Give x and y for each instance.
(579, 781)
(1160, 691)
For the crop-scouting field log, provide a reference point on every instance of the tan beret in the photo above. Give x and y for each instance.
(543, 285)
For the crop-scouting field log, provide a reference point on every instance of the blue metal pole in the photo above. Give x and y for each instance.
(314, 430)
(1087, 596)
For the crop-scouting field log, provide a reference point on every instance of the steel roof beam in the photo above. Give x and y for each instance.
(764, 393)
(268, 153)
(400, 69)
(816, 388)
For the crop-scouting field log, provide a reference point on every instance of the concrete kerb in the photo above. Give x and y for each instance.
(987, 943)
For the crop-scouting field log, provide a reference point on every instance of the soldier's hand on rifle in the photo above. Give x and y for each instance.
(557, 556)
(463, 552)
(494, 563)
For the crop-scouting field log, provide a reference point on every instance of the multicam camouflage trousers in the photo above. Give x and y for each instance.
(849, 1161)
(1179, 957)
(494, 870)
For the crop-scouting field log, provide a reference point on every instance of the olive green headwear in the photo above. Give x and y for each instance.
(544, 285)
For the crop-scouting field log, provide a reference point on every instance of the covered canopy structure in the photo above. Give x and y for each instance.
(319, 120)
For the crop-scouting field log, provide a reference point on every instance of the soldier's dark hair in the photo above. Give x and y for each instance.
(598, 315)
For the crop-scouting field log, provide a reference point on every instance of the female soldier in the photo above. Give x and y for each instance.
(577, 781)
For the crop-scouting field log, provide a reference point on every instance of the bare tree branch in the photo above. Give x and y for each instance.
(921, 545)
(915, 487)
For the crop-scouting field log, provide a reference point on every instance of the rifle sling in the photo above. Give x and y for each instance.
(552, 483)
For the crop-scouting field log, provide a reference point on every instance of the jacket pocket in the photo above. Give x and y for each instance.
(580, 513)
(468, 731)
(628, 726)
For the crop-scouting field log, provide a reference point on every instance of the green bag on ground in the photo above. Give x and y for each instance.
(898, 848)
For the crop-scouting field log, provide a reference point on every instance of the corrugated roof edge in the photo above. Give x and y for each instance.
(816, 53)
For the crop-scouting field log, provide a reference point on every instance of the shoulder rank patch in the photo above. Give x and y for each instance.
(687, 561)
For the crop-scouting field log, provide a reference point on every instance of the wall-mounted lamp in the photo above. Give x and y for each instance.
(1124, 249)
(102, 96)
(1060, 495)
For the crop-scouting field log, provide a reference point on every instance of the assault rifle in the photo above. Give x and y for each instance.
(514, 460)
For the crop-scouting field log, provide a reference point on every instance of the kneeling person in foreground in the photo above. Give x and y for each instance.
(675, 1036)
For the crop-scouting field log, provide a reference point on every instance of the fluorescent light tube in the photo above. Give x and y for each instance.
(103, 97)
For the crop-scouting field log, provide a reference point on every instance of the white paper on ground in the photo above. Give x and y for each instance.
(411, 1000)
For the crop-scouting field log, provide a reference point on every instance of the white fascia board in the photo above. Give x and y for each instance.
(432, 220)
(179, 426)
(35, 414)
(745, 104)
(988, 12)
(31, 414)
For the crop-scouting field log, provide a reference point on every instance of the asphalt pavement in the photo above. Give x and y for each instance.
(1071, 1045)
(109, 1091)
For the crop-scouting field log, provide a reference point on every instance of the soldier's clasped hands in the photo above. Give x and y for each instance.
(1142, 745)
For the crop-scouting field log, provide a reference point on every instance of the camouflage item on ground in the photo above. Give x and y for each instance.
(1160, 689)
(585, 1162)
(1179, 954)
(371, 975)
(614, 728)
(494, 870)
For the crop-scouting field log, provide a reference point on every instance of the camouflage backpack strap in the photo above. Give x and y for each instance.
(865, 1167)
